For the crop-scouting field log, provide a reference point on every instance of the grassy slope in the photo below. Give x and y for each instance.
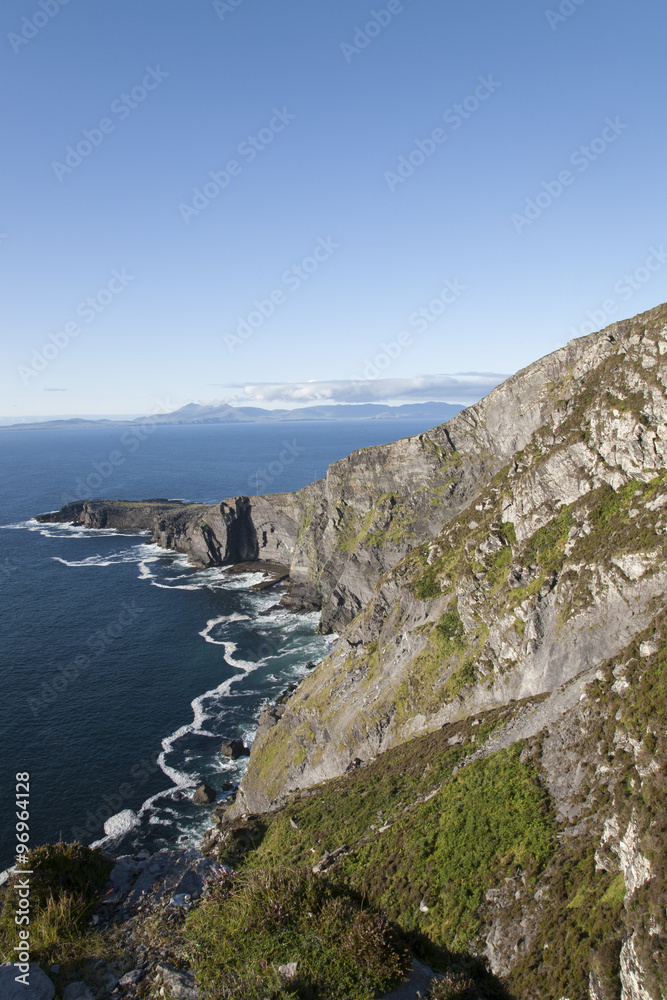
(454, 837)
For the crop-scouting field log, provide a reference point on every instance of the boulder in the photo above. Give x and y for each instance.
(417, 985)
(181, 984)
(328, 859)
(77, 991)
(204, 795)
(132, 978)
(38, 987)
(183, 899)
(234, 748)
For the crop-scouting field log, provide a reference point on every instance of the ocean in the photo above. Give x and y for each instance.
(122, 666)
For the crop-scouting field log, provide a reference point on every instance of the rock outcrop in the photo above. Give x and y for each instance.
(499, 586)
(341, 534)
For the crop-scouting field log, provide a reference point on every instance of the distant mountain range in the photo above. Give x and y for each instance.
(223, 413)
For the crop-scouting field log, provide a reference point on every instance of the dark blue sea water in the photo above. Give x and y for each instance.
(121, 665)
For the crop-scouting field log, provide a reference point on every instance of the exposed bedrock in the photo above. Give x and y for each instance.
(341, 534)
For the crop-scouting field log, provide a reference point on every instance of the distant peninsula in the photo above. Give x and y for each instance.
(224, 413)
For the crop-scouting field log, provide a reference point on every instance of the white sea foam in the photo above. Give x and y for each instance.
(221, 620)
(247, 665)
(284, 630)
(113, 559)
(121, 823)
(181, 778)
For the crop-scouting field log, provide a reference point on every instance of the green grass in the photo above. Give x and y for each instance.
(67, 882)
(262, 919)
(438, 673)
(486, 822)
(480, 825)
(483, 823)
(580, 927)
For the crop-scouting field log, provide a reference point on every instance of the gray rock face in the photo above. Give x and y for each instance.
(589, 418)
(632, 974)
(38, 987)
(181, 984)
(341, 534)
(77, 991)
(168, 873)
(415, 986)
(204, 795)
(234, 749)
(132, 978)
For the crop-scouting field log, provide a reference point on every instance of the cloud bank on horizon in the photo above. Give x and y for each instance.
(462, 387)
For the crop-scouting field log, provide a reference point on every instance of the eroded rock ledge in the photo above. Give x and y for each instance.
(342, 534)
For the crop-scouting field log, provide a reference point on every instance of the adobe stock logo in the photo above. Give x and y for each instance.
(566, 9)
(222, 7)
(364, 35)
(625, 288)
(420, 320)
(31, 26)
(249, 150)
(454, 117)
(292, 278)
(581, 158)
(122, 107)
(88, 310)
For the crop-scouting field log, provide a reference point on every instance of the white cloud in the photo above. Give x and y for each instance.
(465, 387)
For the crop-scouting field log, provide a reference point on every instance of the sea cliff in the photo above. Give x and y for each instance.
(499, 589)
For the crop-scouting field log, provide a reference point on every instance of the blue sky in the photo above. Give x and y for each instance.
(357, 214)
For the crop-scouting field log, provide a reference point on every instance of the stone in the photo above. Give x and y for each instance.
(77, 991)
(181, 984)
(328, 859)
(416, 985)
(289, 971)
(39, 986)
(183, 899)
(234, 749)
(635, 867)
(123, 873)
(204, 795)
(131, 978)
(632, 974)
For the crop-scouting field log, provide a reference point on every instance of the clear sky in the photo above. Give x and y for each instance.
(199, 197)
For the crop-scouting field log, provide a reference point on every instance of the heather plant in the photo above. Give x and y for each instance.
(66, 882)
(453, 985)
(258, 921)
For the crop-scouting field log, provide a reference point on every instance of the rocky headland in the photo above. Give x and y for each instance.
(482, 754)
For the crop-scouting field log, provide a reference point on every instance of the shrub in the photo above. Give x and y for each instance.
(454, 985)
(259, 920)
(66, 882)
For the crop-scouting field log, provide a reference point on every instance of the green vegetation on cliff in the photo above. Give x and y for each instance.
(264, 918)
(449, 845)
(66, 883)
(424, 841)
